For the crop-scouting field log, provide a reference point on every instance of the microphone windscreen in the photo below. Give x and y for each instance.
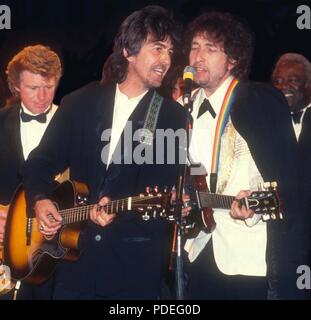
(188, 73)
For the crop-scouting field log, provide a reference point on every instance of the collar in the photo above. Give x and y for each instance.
(26, 110)
(121, 95)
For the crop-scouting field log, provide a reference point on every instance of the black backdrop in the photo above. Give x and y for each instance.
(82, 31)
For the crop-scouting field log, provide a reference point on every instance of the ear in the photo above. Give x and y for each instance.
(127, 56)
(17, 89)
(232, 63)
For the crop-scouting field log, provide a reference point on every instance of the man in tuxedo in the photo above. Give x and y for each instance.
(292, 75)
(244, 257)
(33, 76)
(122, 257)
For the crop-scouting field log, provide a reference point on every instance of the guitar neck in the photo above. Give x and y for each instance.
(217, 201)
(82, 213)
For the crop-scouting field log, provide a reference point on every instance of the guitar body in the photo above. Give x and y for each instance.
(202, 218)
(33, 257)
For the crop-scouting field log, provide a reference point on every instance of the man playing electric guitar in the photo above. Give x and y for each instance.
(243, 136)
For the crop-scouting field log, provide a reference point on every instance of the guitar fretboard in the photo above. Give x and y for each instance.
(82, 213)
(217, 201)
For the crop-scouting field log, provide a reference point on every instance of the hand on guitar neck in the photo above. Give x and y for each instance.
(239, 211)
(98, 214)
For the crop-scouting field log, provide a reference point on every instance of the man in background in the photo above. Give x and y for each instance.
(33, 76)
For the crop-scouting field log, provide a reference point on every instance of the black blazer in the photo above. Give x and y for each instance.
(304, 144)
(261, 115)
(129, 248)
(11, 155)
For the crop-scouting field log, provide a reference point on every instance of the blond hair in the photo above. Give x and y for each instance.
(37, 59)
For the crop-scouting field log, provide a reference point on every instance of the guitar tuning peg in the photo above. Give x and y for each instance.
(265, 217)
(266, 185)
(281, 216)
(273, 216)
(147, 189)
(156, 189)
(274, 185)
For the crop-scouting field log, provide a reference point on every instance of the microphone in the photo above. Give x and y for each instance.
(188, 75)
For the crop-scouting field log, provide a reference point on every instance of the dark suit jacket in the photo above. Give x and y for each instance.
(260, 115)
(11, 155)
(129, 251)
(304, 144)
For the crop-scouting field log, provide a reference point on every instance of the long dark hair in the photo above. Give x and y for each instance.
(133, 32)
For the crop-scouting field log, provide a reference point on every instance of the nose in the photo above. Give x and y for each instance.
(41, 94)
(197, 56)
(166, 57)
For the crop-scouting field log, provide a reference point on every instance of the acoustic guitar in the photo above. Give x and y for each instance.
(32, 257)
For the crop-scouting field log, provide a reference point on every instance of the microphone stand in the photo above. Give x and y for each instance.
(179, 225)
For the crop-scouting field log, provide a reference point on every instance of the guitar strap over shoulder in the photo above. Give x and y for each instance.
(147, 132)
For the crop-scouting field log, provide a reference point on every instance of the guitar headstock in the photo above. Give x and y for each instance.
(153, 204)
(266, 201)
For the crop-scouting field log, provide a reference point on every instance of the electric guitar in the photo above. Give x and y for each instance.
(32, 257)
(265, 202)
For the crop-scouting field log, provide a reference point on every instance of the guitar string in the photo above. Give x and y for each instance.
(83, 210)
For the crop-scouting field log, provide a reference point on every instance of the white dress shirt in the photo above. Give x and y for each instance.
(239, 246)
(32, 131)
(123, 108)
(298, 126)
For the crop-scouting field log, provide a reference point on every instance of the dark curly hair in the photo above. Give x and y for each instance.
(230, 31)
(133, 32)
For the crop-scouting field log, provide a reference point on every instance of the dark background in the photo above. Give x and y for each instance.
(82, 31)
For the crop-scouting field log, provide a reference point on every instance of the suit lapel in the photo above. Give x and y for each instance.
(102, 120)
(306, 127)
(12, 128)
(115, 170)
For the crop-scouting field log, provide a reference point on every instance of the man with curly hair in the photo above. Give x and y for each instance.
(244, 257)
(33, 77)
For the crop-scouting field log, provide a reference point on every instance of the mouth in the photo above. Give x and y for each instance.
(288, 93)
(160, 71)
(200, 69)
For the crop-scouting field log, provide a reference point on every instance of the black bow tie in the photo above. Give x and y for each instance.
(206, 106)
(39, 117)
(296, 116)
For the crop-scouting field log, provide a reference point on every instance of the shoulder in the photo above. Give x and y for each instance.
(85, 98)
(258, 97)
(7, 111)
(86, 91)
(258, 90)
(174, 106)
(174, 110)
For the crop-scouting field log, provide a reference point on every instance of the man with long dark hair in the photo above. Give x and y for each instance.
(122, 257)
